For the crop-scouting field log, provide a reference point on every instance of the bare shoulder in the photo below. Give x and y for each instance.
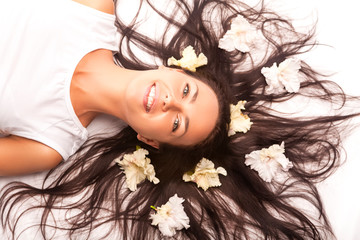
(20, 155)
(106, 6)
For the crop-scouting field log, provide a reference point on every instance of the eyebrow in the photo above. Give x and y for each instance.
(193, 99)
(195, 94)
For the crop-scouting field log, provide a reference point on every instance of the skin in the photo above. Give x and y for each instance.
(178, 110)
(175, 117)
(178, 98)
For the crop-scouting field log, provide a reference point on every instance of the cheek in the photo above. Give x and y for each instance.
(156, 128)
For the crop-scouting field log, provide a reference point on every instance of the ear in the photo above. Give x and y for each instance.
(153, 143)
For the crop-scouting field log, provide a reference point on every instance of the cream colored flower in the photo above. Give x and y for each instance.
(137, 168)
(240, 36)
(205, 174)
(268, 161)
(239, 122)
(170, 217)
(286, 75)
(189, 60)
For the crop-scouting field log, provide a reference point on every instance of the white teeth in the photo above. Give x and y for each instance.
(150, 99)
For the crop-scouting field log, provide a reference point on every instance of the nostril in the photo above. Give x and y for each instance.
(164, 102)
(166, 99)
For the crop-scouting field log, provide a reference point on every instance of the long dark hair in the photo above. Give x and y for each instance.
(244, 207)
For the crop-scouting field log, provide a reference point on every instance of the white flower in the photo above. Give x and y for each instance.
(189, 60)
(170, 217)
(137, 168)
(268, 161)
(239, 122)
(285, 76)
(240, 36)
(205, 174)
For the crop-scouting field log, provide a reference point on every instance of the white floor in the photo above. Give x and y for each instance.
(337, 26)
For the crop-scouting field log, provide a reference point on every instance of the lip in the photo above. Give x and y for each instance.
(146, 97)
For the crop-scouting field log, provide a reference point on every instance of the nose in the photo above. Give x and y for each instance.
(170, 103)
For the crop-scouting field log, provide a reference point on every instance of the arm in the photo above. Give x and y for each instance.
(21, 155)
(106, 6)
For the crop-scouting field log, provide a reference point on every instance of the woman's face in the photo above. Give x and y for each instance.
(168, 106)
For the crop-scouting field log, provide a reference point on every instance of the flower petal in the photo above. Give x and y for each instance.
(268, 162)
(189, 60)
(222, 171)
(239, 122)
(286, 75)
(240, 36)
(205, 174)
(171, 217)
(137, 168)
(227, 43)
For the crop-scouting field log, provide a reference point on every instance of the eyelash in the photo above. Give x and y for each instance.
(176, 124)
(186, 91)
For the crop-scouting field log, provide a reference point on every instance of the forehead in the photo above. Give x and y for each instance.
(202, 113)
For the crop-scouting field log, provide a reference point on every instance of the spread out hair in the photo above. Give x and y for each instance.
(243, 180)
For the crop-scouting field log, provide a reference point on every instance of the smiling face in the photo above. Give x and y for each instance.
(168, 106)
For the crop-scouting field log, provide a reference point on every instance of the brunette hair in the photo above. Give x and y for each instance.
(244, 207)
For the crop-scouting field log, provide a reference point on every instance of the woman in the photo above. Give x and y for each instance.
(97, 86)
(247, 205)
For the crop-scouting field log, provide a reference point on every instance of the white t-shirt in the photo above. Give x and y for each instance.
(41, 43)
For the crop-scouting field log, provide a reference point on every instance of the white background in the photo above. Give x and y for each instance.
(338, 26)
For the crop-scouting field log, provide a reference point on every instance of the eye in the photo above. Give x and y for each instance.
(186, 90)
(175, 124)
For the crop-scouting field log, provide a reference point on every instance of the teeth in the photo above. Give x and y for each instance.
(150, 99)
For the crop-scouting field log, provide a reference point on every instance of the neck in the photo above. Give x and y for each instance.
(98, 86)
